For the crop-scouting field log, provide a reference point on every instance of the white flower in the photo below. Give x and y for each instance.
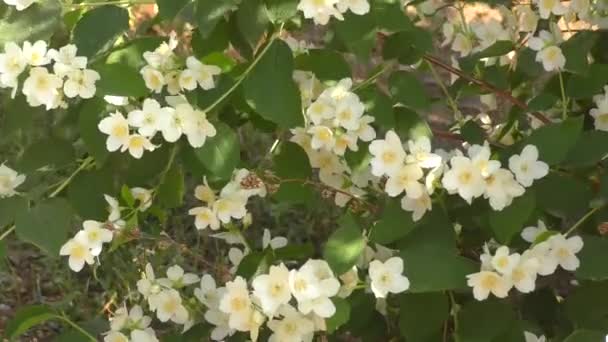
(464, 178)
(273, 242)
(530, 234)
(176, 278)
(387, 277)
(320, 110)
(113, 208)
(600, 115)
(358, 7)
(388, 155)
(12, 64)
(229, 207)
(79, 254)
(322, 137)
(312, 285)
(530, 337)
(204, 193)
(501, 188)
(527, 18)
(486, 282)
(294, 327)
(552, 58)
(220, 321)
(523, 275)
(237, 304)
(208, 293)
(180, 121)
(319, 10)
(200, 129)
(366, 132)
(168, 304)
(546, 7)
(132, 319)
(154, 79)
(146, 335)
(547, 262)
(503, 262)
(93, 235)
(235, 256)
(143, 196)
(462, 44)
(564, 250)
(148, 286)
(202, 73)
(42, 88)
(420, 153)
(66, 60)
(405, 179)
(20, 5)
(349, 280)
(349, 111)
(150, 119)
(136, 145)
(81, 83)
(35, 54)
(117, 129)
(114, 336)
(480, 156)
(418, 206)
(204, 217)
(272, 289)
(527, 167)
(9, 181)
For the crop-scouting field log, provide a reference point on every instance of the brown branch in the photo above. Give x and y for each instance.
(501, 93)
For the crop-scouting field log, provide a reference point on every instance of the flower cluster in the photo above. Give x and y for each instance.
(548, 51)
(132, 323)
(230, 203)
(165, 69)
(172, 122)
(600, 112)
(9, 181)
(322, 10)
(70, 77)
(503, 270)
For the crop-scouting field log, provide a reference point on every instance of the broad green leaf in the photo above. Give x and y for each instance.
(253, 264)
(46, 225)
(131, 53)
(508, 222)
(409, 125)
(217, 41)
(294, 252)
(358, 161)
(408, 46)
(140, 172)
(576, 50)
(327, 65)
(422, 315)
(99, 28)
(296, 193)
(543, 101)
(394, 224)
(587, 306)
(582, 86)
(586, 336)
(593, 258)
(171, 190)
(485, 321)
(341, 316)
(499, 48)
(209, 13)
(380, 106)
(390, 15)
(273, 73)
(91, 113)
(281, 10)
(357, 33)
(408, 90)
(220, 154)
(18, 115)
(37, 22)
(50, 152)
(527, 64)
(252, 20)
(11, 207)
(86, 191)
(120, 80)
(344, 246)
(199, 332)
(291, 161)
(591, 148)
(168, 9)
(26, 318)
(554, 141)
(430, 256)
(562, 195)
(472, 133)
(95, 327)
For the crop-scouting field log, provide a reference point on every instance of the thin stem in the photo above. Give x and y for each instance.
(371, 79)
(112, 2)
(451, 101)
(68, 180)
(7, 232)
(76, 326)
(581, 221)
(564, 98)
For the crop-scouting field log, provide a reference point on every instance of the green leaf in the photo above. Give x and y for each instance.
(252, 20)
(394, 224)
(294, 252)
(390, 16)
(139, 172)
(431, 258)
(291, 161)
(587, 306)
(209, 13)
(168, 9)
(131, 53)
(217, 41)
(550, 195)
(380, 106)
(95, 327)
(510, 221)
(274, 73)
(46, 225)
(253, 264)
(408, 90)
(586, 336)
(543, 101)
(86, 191)
(50, 152)
(99, 28)
(18, 115)
(220, 154)
(591, 148)
(472, 133)
(91, 113)
(593, 258)
(582, 86)
(327, 65)
(37, 22)
(120, 80)
(11, 207)
(357, 33)
(485, 321)
(26, 318)
(500, 48)
(410, 125)
(408, 46)
(344, 246)
(280, 11)
(171, 190)
(423, 315)
(576, 50)
(554, 141)
(341, 316)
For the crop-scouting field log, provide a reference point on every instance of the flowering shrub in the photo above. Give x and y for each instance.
(304, 170)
